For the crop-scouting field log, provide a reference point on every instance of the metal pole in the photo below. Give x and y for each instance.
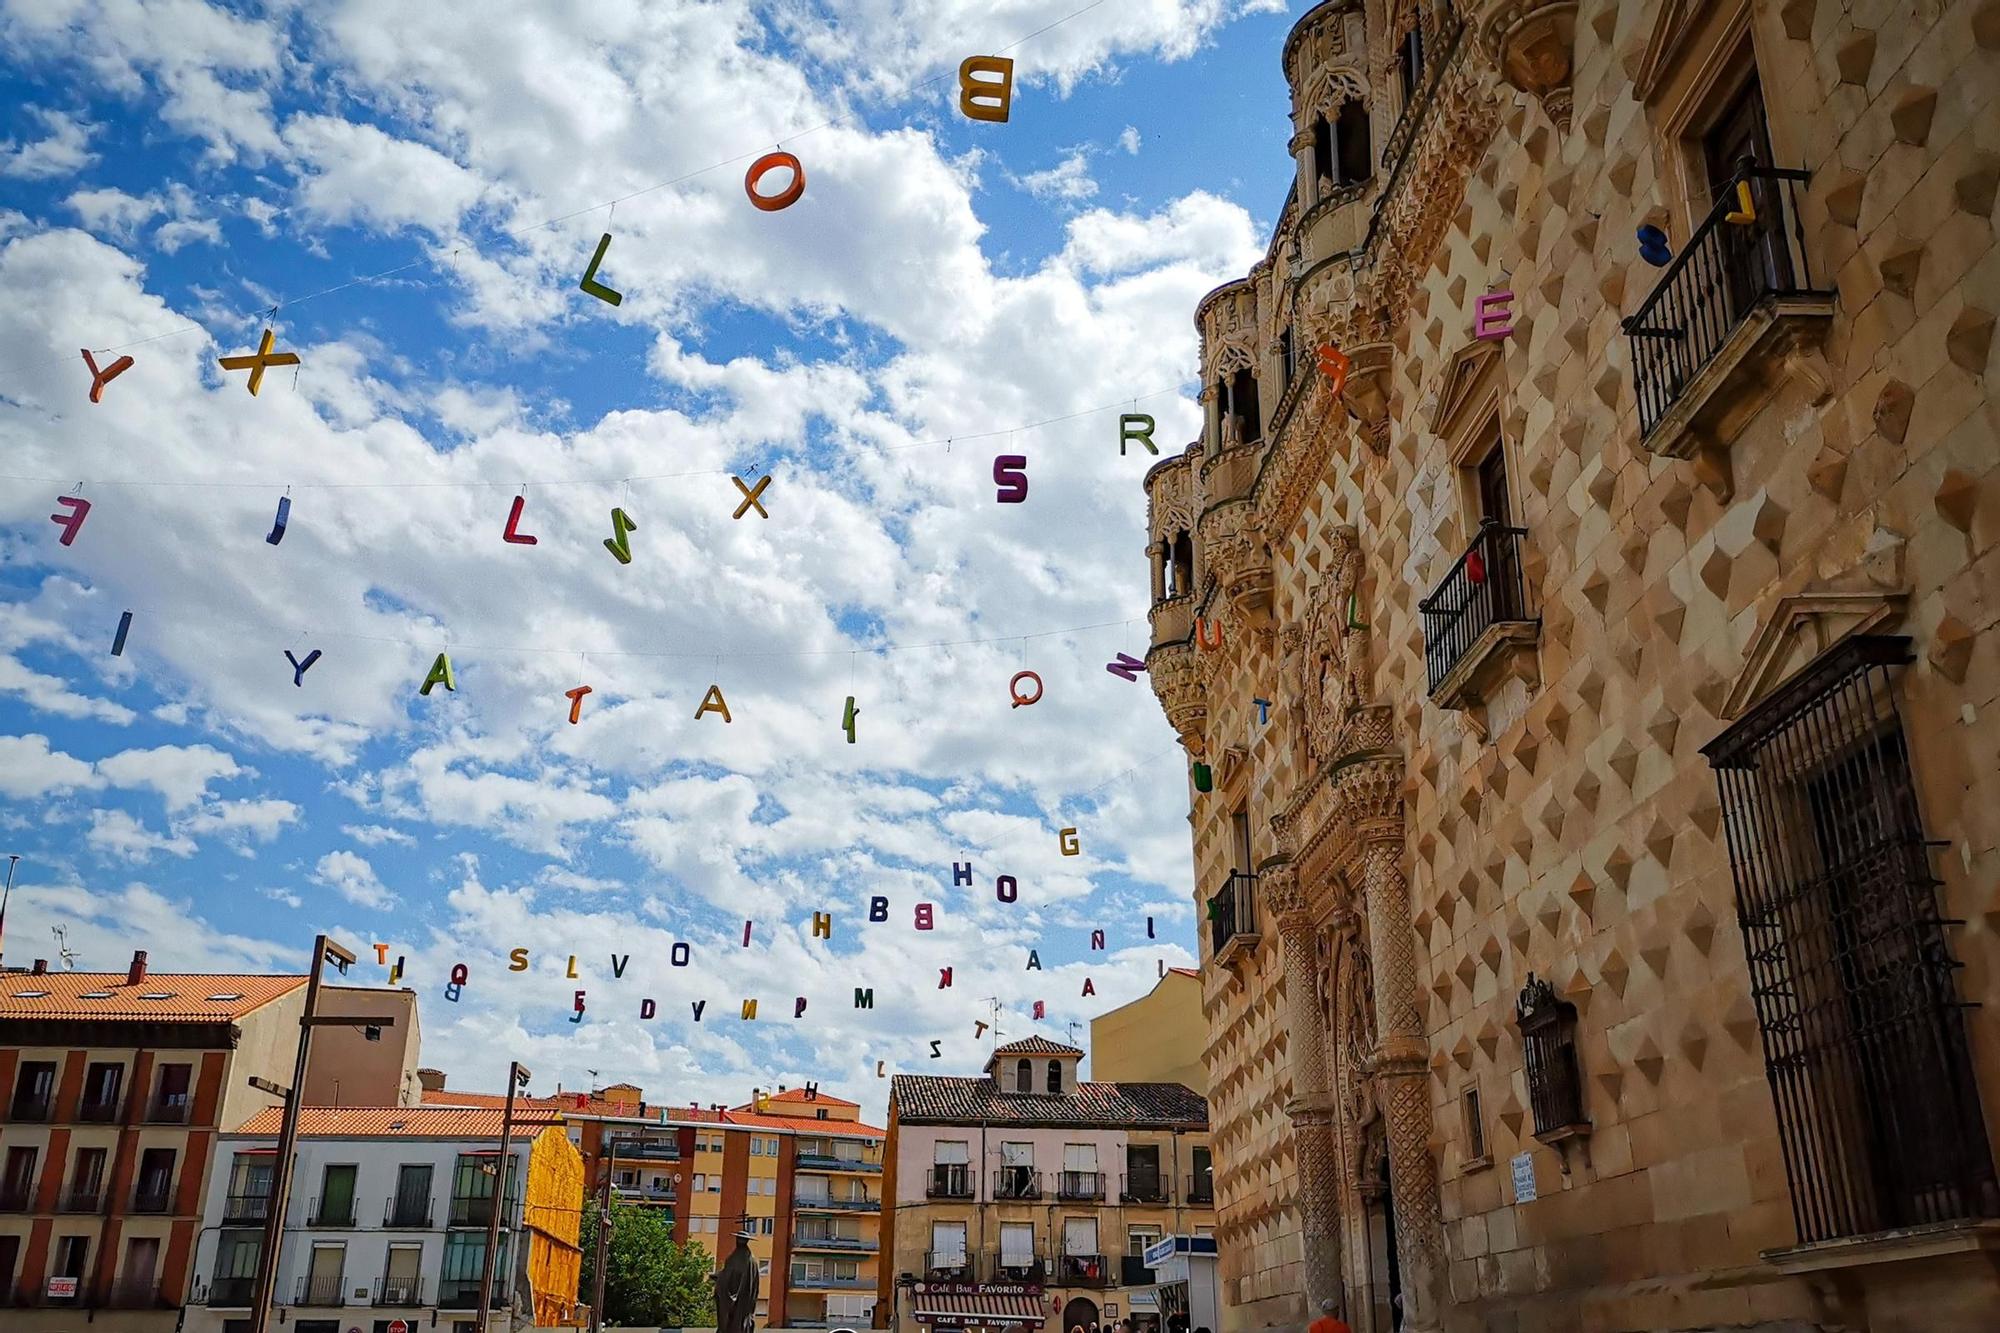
(12, 861)
(288, 1138)
(515, 1077)
(603, 1233)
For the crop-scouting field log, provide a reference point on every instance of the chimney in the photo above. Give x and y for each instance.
(138, 971)
(41, 967)
(431, 1080)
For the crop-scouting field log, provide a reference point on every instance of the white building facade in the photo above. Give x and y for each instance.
(387, 1223)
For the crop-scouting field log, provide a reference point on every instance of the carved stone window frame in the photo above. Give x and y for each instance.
(1697, 58)
(1469, 418)
(1472, 1129)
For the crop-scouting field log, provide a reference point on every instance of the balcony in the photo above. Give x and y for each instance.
(1083, 1270)
(30, 1106)
(1080, 1185)
(1030, 1268)
(321, 1290)
(82, 1198)
(238, 1208)
(134, 1294)
(1478, 622)
(826, 1161)
(1232, 919)
(1144, 1187)
(155, 1198)
(1017, 1183)
(230, 1293)
(647, 1150)
(947, 1266)
(862, 1205)
(98, 1112)
(82, 1296)
(171, 1109)
(1731, 308)
(836, 1243)
(1200, 1189)
(334, 1213)
(471, 1210)
(829, 1282)
(408, 1211)
(399, 1292)
(1132, 1272)
(948, 1182)
(16, 1197)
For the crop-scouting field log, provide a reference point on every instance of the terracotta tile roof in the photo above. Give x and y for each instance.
(162, 997)
(1194, 972)
(494, 1100)
(405, 1122)
(797, 1096)
(1035, 1046)
(926, 1098)
(805, 1124)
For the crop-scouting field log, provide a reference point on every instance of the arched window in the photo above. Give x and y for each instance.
(1055, 1076)
(1025, 1073)
(1181, 553)
(1410, 62)
(1322, 135)
(1243, 402)
(1350, 134)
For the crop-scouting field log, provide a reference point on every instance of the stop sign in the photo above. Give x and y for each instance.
(399, 1326)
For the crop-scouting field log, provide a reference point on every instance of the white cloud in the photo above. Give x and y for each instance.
(30, 768)
(353, 173)
(51, 694)
(121, 216)
(374, 835)
(253, 820)
(350, 875)
(117, 834)
(1128, 139)
(64, 152)
(181, 774)
(1069, 180)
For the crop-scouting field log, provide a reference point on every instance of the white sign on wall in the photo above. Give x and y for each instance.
(1524, 1178)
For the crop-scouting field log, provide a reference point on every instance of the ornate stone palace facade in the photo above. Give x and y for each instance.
(1593, 728)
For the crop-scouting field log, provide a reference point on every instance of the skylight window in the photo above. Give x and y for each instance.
(157, 995)
(30, 994)
(228, 995)
(95, 995)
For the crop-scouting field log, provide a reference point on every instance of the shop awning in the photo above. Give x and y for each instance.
(988, 1309)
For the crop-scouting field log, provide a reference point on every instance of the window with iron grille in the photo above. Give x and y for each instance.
(1850, 972)
(1548, 1035)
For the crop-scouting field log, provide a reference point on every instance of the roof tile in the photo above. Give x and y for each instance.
(927, 1098)
(409, 1122)
(162, 997)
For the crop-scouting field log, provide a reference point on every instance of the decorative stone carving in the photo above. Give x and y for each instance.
(1367, 391)
(1311, 1107)
(1533, 42)
(1328, 656)
(1239, 561)
(1175, 675)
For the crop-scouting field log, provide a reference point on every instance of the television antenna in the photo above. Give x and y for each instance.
(63, 951)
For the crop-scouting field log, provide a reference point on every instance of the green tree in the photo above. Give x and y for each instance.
(648, 1279)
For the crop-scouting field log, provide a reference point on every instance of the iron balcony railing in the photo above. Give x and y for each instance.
(1201, 1188)
(400, 1292)
(949, 1182)
(1232, 909)
(171, 1109)
(408, 1210)
(1017, 1182)
(1725, 271)
(231, 1292)
(807, 1204)
(31, 1106)
(470, 1210)
(331, 1213)
(810, 1240)
(98, 1112)
(826, 1161)
(246, 1208)
(948, 1266)
(133, 1294)
(802, 1281)
(650, 1150)
(15, 1196)
(83, 1198)
(1485, 588)
(1851, 970)
(1080, 1185)
(1144, 1187)
(1017, 1267)
(1083, 1270)
(151, 1198)
(321, 1290)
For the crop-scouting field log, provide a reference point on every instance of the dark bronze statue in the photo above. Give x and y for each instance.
(736, 1289)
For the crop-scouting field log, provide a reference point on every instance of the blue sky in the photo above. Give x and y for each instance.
(170, 170)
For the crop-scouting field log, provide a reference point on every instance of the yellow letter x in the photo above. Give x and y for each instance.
(750, 495)
(259, 360)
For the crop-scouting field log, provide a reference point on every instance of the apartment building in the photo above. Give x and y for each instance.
(802, 1174)
(1029, 1196)
(388, 1219)
(115, 1086)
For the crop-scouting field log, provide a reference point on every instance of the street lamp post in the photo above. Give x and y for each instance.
(517, 1077)
(324, 948)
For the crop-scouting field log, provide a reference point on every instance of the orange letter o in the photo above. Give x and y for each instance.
(771, 203)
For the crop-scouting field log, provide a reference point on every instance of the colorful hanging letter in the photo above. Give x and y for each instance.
(277, 533)
(1041, 1010)
(1490, 314)
(1136, 426)
(124, 628)
(1333, 364)
(1263, 712)
(575, 698)
(591, 284)
(1066, 840)
(990, 97)
(512, 532)
(260, 360)
(299, 668)
(785, 198)
(1204, 777)
(1014, 692)
(1127, 667)
(1034, 961)
(847, 722)
(619, 543)
(1010, 474)
(1007, 889)
(440, 675)
(1653, 247)
(1745, 212)
(100, 378)
(713, 702)
(1202, 625)
(750, 495)
(73, 521)
(1088, 987)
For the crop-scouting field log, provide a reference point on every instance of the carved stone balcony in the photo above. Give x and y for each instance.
(1730, 314)
(1239, 560)
(1534, 43)
(1367, 390)
(1478, 623)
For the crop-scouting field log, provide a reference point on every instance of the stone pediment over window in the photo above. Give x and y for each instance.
(1677, 24)
(1468, 386)
(1799, 629)
(1231, 768)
